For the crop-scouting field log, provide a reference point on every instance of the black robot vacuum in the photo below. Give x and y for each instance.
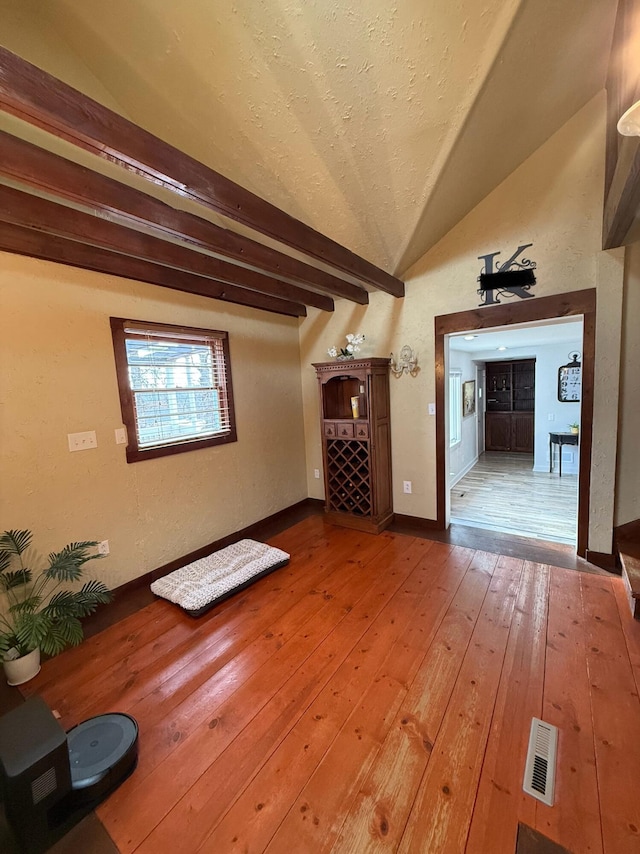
(52, 779)
(102, 753)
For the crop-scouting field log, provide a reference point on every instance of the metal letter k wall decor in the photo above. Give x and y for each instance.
(514, 277)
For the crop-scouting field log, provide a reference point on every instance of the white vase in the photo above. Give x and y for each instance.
(20, 670)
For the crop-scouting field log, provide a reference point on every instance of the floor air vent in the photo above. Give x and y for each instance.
(540, 770)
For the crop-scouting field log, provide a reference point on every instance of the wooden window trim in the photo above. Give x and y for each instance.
(134, 453)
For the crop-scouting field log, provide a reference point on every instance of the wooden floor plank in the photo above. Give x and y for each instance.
(314, 820)
(190, 822)
(265, 630)
(127, 675)
(377, 817)
(151, 623)
(303, 540)
(373, 696)
(296, 538)
(574, 819)
(502, 492)
(203, 724)
(60, 676)
(280, 780)
(501, 802)
(630, 628)
(441, 814)
(616, 723)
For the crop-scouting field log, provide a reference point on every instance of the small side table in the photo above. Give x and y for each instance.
(560, 439)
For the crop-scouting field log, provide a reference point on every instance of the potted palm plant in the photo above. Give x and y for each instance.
(38, 611)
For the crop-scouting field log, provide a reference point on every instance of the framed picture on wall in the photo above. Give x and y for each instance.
(468, 397)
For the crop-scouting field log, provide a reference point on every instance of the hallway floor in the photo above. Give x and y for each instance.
(503, 493)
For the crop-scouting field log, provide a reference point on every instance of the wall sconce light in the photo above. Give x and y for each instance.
(406, 363)
(629, 122)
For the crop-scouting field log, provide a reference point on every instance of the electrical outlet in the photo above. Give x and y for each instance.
(103, 547)
(551, 417)
(406, 486)
(82, 441)
(121, 436)
(316, 473)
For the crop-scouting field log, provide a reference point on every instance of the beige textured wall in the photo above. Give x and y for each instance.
(628, 474)
(609, 282)
(57, 376)
(554, 200)
(26, 31)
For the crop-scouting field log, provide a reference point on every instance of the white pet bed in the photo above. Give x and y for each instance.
(202, 584)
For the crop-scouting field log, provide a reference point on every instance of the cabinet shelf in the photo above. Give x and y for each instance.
(510, 385)
(509, 410)
(356, 450)
(337, 395)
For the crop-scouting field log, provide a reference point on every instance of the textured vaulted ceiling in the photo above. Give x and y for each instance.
(379, 123)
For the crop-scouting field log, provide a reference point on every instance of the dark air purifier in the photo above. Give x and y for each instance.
(51, 779)
(35, 770)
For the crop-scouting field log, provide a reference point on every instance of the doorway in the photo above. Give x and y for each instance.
(503, 481)
(525, 311)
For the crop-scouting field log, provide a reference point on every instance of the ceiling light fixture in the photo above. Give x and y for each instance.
(470, 337)
(629, 122)
(502, 348)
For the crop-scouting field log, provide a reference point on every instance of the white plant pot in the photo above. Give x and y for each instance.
(20, 670)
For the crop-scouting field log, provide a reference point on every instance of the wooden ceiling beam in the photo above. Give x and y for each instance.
(44, 171)
(622, 158)
(38, 244)
(32, 211)
(42, 100)
(622, 203)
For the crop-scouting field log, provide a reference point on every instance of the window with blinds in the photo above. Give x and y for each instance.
(175, 387)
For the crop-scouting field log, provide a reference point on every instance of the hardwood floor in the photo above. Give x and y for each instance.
(374, 695)
(503, 493)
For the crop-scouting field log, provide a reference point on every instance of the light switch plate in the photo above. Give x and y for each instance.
(432, 409)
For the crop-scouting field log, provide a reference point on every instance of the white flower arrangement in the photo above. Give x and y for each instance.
(348, 352)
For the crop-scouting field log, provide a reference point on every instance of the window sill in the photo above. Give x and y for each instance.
(135, 455)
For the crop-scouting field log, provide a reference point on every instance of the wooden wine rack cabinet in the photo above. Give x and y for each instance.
(356, 450)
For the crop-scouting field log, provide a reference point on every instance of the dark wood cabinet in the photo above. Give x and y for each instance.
(510, 396)
(498, 431)
(522, 431)
(356, 442)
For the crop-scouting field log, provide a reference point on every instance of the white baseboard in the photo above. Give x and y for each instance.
(567, 468)
(454, 479)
